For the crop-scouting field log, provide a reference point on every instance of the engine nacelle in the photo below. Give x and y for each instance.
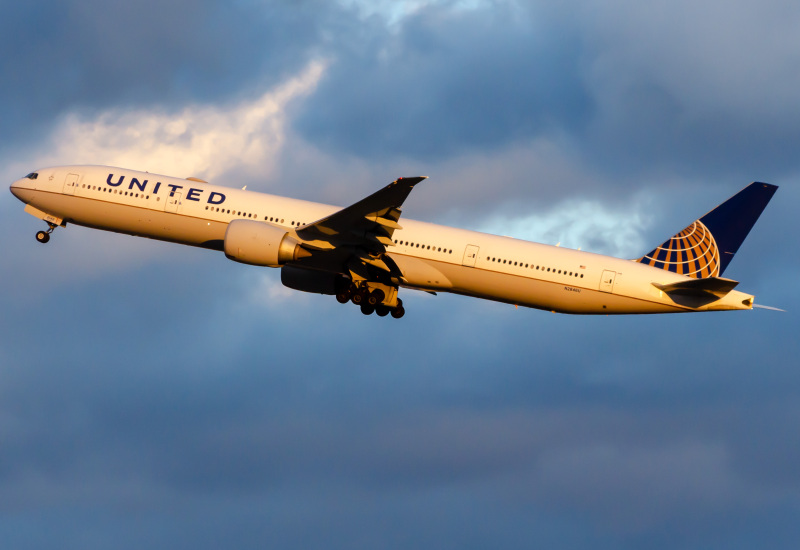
(309, 280)
(257, 243)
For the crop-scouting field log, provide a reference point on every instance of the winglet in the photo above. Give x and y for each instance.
(707, 246)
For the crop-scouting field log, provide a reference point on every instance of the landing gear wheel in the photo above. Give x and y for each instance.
(398, 311)
(42, 236)
(343, 297)
(360, 296)
(367, 309)
(375, 297)
(382, 311)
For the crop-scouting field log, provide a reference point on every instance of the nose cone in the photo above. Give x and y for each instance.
(16, 189)
(22, 189)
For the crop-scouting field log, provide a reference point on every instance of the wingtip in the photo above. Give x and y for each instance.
(415, 179)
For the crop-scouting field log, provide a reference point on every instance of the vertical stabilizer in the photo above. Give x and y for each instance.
(706, 247)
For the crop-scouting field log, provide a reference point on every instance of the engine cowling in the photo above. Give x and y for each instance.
(309, 280)
(257, 243)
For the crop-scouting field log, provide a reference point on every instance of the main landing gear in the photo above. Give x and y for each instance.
(44, 236)
(370, 301)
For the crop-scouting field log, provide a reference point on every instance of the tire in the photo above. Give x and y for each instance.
(382, 311)
(378, 295)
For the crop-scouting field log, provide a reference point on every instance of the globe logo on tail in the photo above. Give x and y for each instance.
(692, 252)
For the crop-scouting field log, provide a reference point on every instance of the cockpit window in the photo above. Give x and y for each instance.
(32, 176)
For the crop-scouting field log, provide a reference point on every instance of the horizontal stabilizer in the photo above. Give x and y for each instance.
(715, 286)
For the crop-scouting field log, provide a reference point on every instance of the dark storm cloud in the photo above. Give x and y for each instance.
(445, 82)
(224, 413)
(630, 92)
(61, 56)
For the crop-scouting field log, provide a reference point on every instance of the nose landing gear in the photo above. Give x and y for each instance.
(44, 236)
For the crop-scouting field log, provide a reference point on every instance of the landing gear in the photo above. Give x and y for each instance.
(398, 311)
(44, 236)
(375, 297)
(370, 299)
(359, 296)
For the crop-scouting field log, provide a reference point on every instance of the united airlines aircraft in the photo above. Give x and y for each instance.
(365, 253)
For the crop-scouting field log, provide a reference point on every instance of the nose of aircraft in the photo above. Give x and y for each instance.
(15, 188)
(22, 189)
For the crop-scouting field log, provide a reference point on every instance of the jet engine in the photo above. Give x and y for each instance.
(257, 243)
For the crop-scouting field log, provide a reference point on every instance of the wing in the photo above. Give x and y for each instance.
(363, 229)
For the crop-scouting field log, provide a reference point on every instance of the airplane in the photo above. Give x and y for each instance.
(363, 253)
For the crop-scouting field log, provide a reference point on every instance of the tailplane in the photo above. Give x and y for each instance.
(706, 247)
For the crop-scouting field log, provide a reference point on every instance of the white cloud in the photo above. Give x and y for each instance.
(582, 224)
(394, 11)
(199, 140)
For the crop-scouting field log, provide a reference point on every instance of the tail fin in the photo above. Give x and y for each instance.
(706, 247)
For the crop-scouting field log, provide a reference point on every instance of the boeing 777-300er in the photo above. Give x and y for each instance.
(364, 253)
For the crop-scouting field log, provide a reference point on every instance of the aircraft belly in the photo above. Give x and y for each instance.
(134, 220)
(546, 295)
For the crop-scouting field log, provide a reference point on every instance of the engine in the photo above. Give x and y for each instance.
(309, 280)
(257, 243)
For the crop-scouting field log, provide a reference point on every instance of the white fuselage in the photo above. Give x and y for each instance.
(431, 257)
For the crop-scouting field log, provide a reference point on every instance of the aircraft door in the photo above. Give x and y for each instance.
(71, 183)
(173, 202)
(607, 281)
(470, 255)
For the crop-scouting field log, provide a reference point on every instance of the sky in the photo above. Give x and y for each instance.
(159, 396)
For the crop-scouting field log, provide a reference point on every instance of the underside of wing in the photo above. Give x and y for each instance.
(363, 231)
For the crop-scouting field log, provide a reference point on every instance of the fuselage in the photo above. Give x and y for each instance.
(432, 257)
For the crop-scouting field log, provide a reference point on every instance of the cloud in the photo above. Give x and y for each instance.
(162, 396)
(200, 140)
(432, 89)
(87, 55)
